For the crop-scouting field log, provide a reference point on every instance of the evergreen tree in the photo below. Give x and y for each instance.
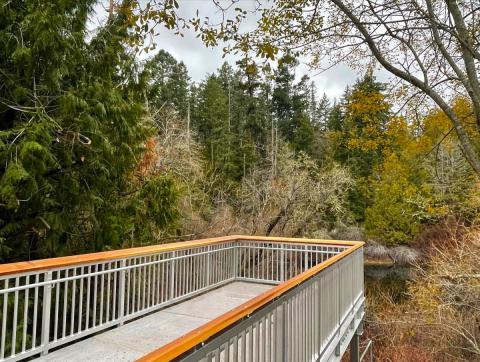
(71, 130)
(313, 105)
(255, 107)
(242, 119)
(168, 82)
(322, 112)
(367, 113)
(300, 126)
(335, 118)
(357, 129)
(211, 120)
(291, 106)
(282, 104)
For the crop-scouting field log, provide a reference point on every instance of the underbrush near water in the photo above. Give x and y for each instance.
(436, 316)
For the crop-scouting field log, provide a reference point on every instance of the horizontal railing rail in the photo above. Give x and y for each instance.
(47, 303)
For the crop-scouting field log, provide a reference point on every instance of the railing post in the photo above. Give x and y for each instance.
(47, 301)
(208, 264)
(121, 292)
(172, 275)
(282, 262)
(305, 258)
(235, 261)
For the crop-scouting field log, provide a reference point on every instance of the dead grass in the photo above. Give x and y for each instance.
(437, 316)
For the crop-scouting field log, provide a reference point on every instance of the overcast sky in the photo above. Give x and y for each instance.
(201, 61)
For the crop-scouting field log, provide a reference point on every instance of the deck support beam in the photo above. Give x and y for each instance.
(355, 344)
(355, 348)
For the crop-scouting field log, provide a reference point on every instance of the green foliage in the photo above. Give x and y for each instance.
(167, 82)
(356, 127)
(230, 113)
(294, 107)
(211, 117)
(74, 124)
(411, 187)
(395, 214)
(71, 131)
(153, 208)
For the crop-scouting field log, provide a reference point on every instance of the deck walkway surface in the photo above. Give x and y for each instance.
(139, 337)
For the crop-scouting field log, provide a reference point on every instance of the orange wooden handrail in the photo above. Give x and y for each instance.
(64, 261)
(183, 344)
(28, 266)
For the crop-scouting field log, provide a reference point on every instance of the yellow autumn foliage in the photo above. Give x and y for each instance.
(365, 133)
(416, 183)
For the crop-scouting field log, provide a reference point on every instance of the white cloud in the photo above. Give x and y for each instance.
(201, 60)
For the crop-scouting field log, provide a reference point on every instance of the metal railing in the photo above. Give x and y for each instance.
(311, 316)
(46, 304)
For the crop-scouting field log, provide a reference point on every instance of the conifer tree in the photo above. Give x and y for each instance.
(211, 121)
(357, 129)
(282, 93)
(71, 131)
(255, 110)
(168, 82)
(291, 106)
(322, 111)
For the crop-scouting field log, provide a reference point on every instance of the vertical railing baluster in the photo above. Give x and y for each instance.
(15, 316)
(247, 257)
(121, 292)
(128, 290)
(161, 283)
(3, 337)
(281, 330)
(182, 270)
(305, 258)
(65, 300)
(235, 349)
(337, 307)
(139, 293)
(102, 292)
(143, 280)
(89, 288)
(282, 263)
(133, 281)
(80, 302)
(155, 268)
(150, 290)
(25, 315)
(172, 276)
(35, 313)
(208, 265)
(57, 298)
(236, 261)
(47, 300)
(114, 298)
(165, 279)
(109, 276)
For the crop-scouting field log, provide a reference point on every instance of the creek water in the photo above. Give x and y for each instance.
(392, 279)
(379, 272)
